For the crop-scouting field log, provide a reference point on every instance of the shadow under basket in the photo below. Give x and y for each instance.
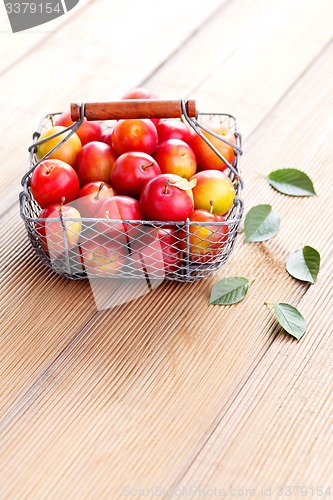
(92, 248)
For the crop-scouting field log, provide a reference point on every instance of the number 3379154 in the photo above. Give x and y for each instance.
(33, 8)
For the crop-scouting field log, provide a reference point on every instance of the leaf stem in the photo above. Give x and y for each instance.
(260, 174)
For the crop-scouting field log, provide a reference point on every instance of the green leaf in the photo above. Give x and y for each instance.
(185, 184)
(229, 291)
(292, 182)
(261, 223)
(290, 319)
(304, 264)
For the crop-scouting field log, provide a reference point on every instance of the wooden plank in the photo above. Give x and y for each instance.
(37, 320)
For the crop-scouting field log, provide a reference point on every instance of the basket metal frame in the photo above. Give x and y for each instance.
(189, 270)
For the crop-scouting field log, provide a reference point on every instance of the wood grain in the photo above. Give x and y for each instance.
(134, 108)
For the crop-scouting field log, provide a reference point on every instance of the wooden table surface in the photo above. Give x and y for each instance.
(165, 395)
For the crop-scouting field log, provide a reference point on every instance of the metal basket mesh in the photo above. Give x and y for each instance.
(134, 249)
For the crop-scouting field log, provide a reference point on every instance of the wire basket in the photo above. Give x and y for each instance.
(138, 249)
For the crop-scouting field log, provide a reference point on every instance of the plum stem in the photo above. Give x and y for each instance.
(144, 167)
(61, 204)
(167, 182)
(46, 168)
(211, 206)
(99, 190)
(52, 120)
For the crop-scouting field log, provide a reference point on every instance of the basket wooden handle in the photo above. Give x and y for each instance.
(133, 108)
